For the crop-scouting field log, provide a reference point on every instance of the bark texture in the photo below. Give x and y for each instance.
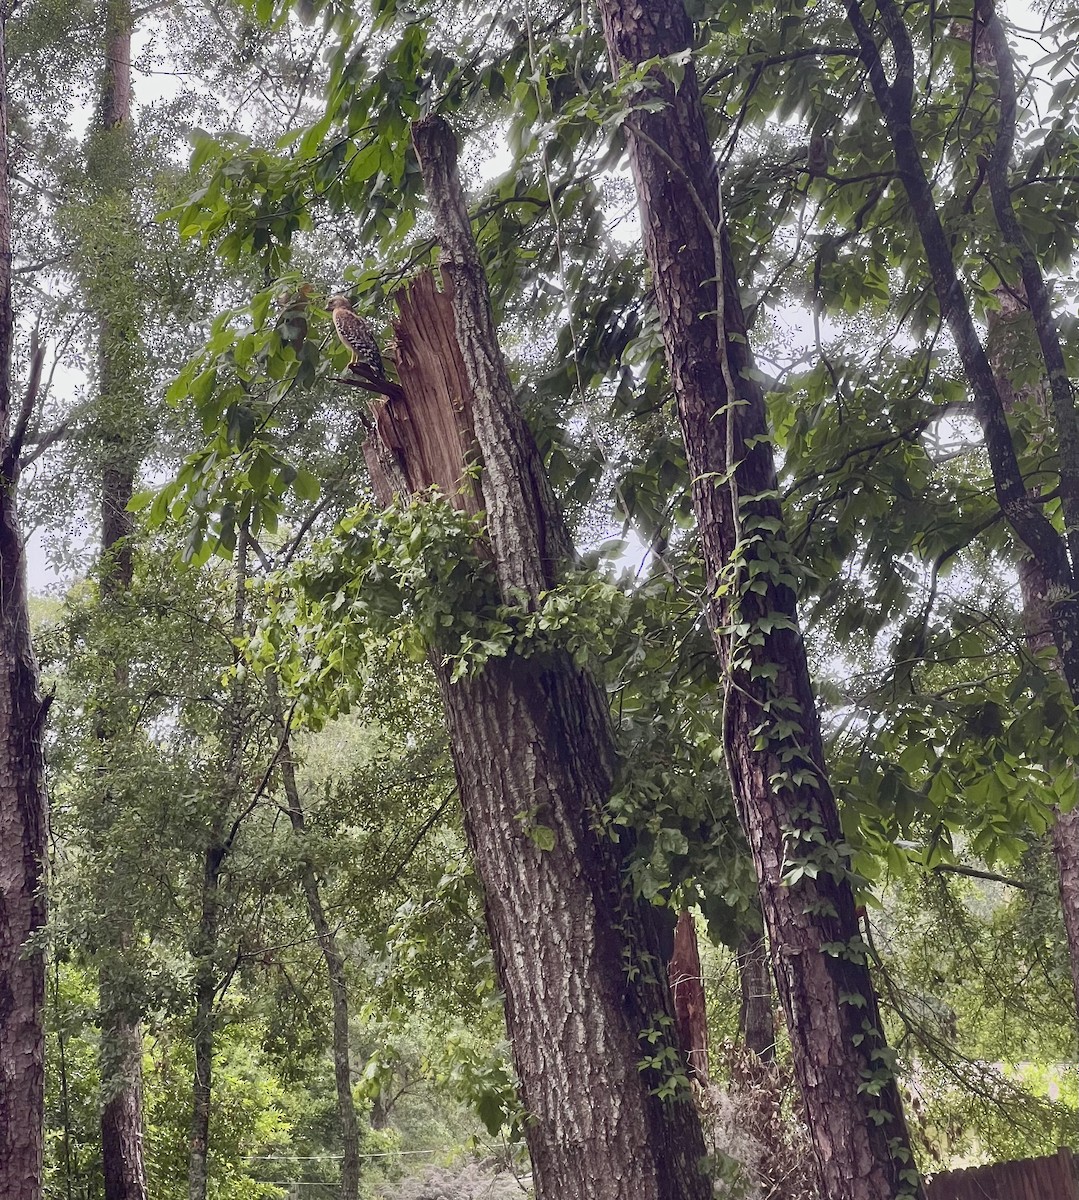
(205, 995)
(755, 1018)
(121, 1112)
(23, 798)
(785, 801)
(528, 748)
(579, 961)
(687, 991)
(23, 815)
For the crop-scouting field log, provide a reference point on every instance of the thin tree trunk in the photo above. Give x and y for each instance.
(755, 983)
(771, 729)
(1009, 329)
(205, 989)
(206, 947)
(1031, 525)
(23, 798)
(1066, 851)
(117, 328)
(1012, 330)
(578, 959)
(120, 419)
(335, 964)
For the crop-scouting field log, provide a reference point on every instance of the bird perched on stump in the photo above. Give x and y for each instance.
(357, 335)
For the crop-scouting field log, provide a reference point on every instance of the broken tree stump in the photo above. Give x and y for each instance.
(427, 435)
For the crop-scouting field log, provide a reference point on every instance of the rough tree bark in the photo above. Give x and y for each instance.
(1011, 324)
(687, 992)
(755, 1018)
(578, 959)
(119, 417)
(23, 799)
(771, 728)
(334, 959)
(205, 995)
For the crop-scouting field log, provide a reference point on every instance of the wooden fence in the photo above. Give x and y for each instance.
(1052, 1178)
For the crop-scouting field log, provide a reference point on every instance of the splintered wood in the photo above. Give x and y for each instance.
(426, 435)
(687, 991)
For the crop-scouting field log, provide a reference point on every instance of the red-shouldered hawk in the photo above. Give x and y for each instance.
(357, 335)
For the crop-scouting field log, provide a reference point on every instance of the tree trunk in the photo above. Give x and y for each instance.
(121, 1080)
(1055, 556)
(203, 1025)
(755, 982)
(335, 965)
(1010, 325)
(119, 417)
(206, 947)
(1011, 333)
(23, 817)
(771, 729)
(687, 992)
(579, 960)
(117, 303)
(23, 798)
(1066, 850)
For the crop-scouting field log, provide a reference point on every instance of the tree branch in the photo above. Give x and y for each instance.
(363, 378)
(44, 442)
(990, 876)
(1056, 369)
(10, 465)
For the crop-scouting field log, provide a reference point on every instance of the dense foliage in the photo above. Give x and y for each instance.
(278, 613)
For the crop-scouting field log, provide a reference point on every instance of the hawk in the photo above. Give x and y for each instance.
(357, 335)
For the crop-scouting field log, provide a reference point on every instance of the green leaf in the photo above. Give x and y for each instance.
(543, 836)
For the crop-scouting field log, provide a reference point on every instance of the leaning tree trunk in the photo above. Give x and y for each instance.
(112, 292)
(1036, 594)
(771, 730)
(1049, 562)
(1007, 328)
(23, 799)
(334, 959)
(1057, 556)
(1011, 335)
(577, 957)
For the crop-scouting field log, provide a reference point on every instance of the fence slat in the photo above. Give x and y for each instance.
(1050, 1178)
